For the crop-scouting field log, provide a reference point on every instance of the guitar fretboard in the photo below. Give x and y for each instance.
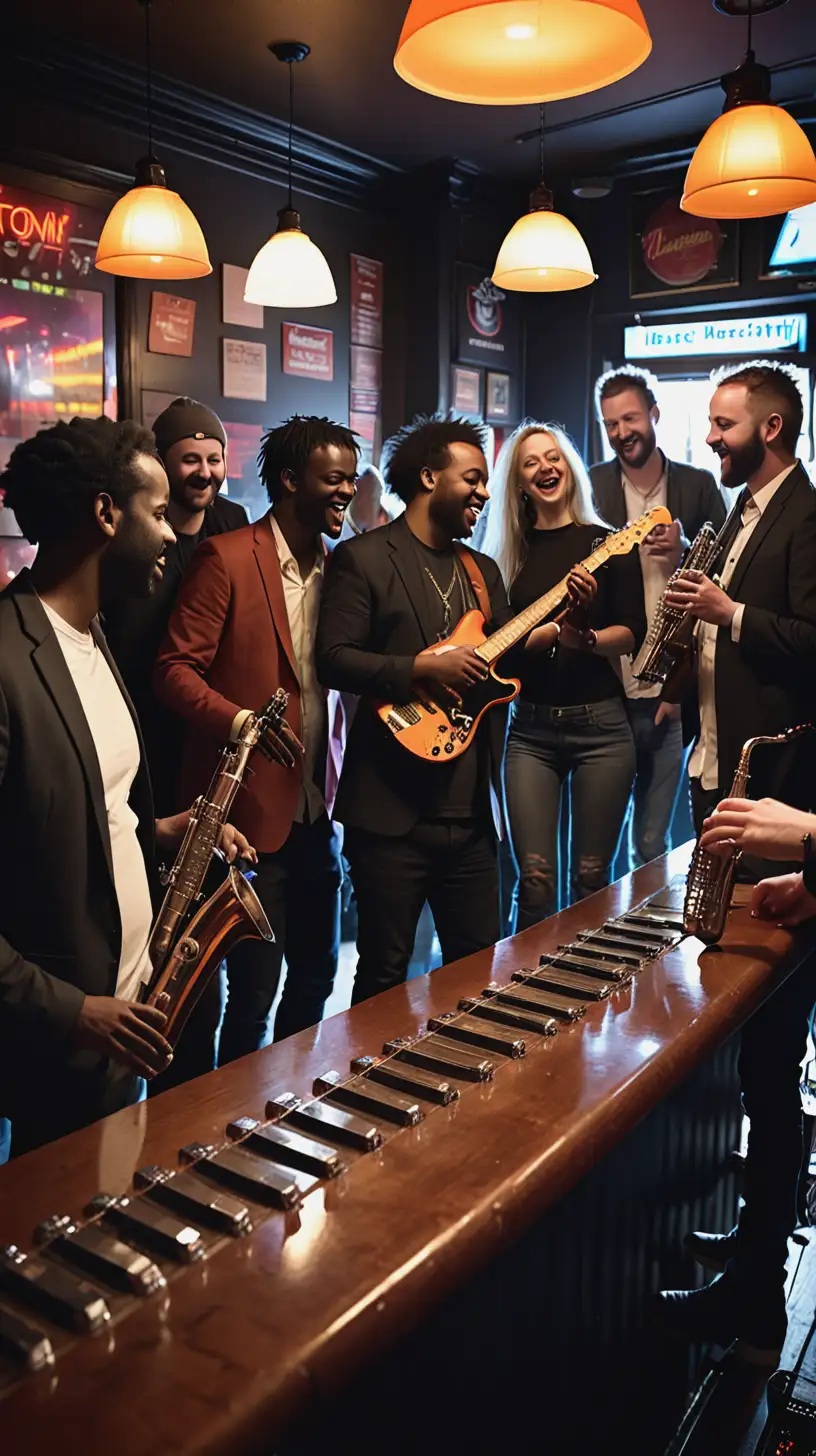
(537, 612)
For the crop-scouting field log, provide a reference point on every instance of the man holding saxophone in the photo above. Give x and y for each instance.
(757, 659)
(78, 838)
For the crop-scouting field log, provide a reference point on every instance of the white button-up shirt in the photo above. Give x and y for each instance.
(655, 571)
(302, 606)
(704, 762)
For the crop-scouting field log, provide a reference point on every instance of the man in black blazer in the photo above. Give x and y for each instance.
(191, 443)
(639, 478)
(77, 832)
(757, 675)
(416, 830)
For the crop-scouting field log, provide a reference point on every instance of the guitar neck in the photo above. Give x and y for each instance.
(512, 632)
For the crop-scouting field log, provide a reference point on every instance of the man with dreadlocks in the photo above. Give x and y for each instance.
(78, 838)
(244, 625)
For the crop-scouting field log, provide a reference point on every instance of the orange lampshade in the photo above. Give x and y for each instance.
(151, 233)
(753, 161)
(510, 52)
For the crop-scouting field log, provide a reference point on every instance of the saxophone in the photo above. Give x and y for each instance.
(188, 944)
(670, 633)
(711, 877)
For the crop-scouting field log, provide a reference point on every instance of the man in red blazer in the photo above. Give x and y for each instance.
(244, 625)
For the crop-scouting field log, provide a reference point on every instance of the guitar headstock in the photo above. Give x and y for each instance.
(622, 541)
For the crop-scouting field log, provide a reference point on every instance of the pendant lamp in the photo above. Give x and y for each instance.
(151, 232)
(755, 160)
(543, 252)
(507, 52)
(290, 270)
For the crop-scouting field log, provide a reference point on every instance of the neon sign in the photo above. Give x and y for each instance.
(777, 333)
(28, 224)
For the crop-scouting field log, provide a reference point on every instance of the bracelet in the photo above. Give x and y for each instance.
(590, 639)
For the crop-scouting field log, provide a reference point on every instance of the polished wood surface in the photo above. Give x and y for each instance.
(274, 1324)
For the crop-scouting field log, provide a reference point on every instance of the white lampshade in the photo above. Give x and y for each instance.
(543, 252)
(290, 271)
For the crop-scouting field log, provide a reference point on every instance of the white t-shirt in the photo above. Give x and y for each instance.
(117, 749)
(655, 570)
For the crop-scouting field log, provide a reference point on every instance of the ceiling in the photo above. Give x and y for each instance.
(347, 89)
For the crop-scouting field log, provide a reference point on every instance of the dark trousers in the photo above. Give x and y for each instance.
(591, 746)
(452, 865)
(299, 888)
(75, 1103)
(659, 764)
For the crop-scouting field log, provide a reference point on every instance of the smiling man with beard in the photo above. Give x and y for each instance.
(639, 478)
(244, 625)
(757, 675)
(415, 830)
(77, 832)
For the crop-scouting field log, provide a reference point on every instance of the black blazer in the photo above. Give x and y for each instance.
(373, 621)
(692, 496)
(60, 930)
(766, 682)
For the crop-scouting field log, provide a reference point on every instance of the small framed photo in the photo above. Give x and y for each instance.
(497, 405)
(466, 391)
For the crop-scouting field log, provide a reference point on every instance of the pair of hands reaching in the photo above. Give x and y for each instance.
(770, 830)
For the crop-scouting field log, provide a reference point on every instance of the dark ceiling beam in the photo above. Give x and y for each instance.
(188, 120)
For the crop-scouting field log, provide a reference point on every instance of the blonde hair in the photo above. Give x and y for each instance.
(505, 537)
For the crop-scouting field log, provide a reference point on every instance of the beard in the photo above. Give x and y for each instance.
(129, 564)
(742, 461)
(643, 447)
(449, 516)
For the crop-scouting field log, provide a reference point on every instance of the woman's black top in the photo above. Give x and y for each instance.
(567, 677)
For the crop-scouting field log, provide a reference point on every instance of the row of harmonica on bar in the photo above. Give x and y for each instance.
(84, 1274)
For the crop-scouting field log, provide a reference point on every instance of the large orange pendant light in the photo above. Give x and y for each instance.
(755, 160)
(151, 232)
(509, 52)
(543, 252)
(289, 271)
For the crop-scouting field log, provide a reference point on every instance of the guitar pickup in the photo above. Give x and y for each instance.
(62, 1297)
(99, 1253)
(530, 996)
(183, 1193)
(465, 1029)
(255, 1177)
(609, 947)
(383, 1103)
(24, 1343)
(410, 1080)
(319, 1117)
(435, 1055)
(559, 978)
(291, 1149)
(145, 1223)
(539, 1024)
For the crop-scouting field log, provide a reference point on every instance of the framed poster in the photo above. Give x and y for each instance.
(233, 308)
(466, 391)
(672, 252)
(789, 244)
(308, 352)
(366, 301)
(488, 324)
(497, 396)
(244, 364)
(172, 324)
(366, 367)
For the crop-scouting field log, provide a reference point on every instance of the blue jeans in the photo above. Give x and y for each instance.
(659, 753)
(592, 747)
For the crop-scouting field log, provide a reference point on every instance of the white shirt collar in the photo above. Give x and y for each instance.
(761, 499)
(287, 561)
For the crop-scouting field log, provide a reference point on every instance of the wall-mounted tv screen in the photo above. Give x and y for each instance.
(790, 244)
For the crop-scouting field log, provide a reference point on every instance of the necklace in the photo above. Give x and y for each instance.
(445, 598)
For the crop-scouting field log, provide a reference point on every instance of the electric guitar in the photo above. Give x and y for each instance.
(437, 728)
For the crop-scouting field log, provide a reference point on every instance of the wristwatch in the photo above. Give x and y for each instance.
(808, 865)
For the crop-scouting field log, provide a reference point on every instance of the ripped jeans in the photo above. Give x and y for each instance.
(592, 747)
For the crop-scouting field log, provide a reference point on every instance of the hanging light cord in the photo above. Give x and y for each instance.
(149, 59)
(750, 27)
(291, 114)
(541, 142)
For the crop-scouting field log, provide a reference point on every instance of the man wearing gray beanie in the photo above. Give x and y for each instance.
(192, 444)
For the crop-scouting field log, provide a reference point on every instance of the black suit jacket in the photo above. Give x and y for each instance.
(692, 496)
(374, 620)
(60, 930)
(766, 682)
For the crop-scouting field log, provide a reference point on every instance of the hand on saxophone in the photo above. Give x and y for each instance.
(783, 899)
(235, 845)
(763, 827)
(127, 1031)
(281, 745)
(700, 597)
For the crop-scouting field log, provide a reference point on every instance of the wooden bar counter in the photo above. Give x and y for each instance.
(477, 1281)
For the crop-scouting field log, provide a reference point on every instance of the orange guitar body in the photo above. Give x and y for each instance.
(435, 728)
